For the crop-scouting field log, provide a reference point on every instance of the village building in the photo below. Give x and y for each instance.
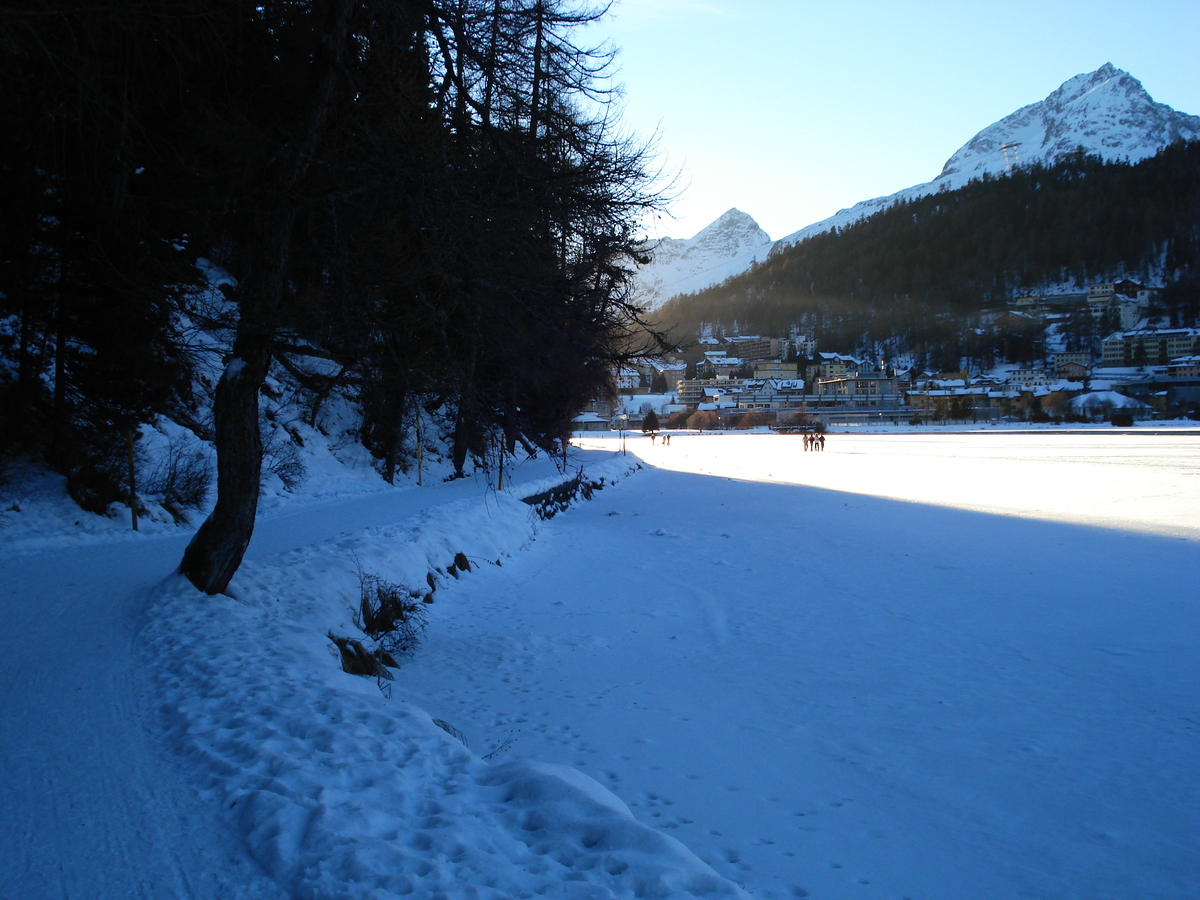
(856, 389)
(777, 370)
(1149, 346)
(830, 365)
(718, 364)
(755, 348)
(1071, 370)
(772, 394)
(672, 373)
(1184, 367)
(1082, 357)
(695, 391)
(1029, 377)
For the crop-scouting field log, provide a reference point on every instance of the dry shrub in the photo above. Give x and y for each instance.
(550, 503)
(281, 457)
(392, 614)
(358, 660)
(183, 477)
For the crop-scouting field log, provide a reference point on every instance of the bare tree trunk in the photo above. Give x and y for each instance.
(458, 451)
(535, 100)
(395, 442)
(58, 404)
(216, 551)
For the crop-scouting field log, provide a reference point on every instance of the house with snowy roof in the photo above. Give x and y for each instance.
(1120, 297)
(1100, 405)
(1183, 367)
(830, 365)
(694, 391)
(589, 421)
(672, 373)
(772, 394)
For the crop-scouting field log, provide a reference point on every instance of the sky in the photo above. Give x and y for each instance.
(792, 109)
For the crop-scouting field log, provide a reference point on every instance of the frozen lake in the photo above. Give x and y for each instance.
(928, 666)
(1148, 482)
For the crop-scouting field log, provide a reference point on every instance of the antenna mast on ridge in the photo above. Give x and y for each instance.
(1015, 159)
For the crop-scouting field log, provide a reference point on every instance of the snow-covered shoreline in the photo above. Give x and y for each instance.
(346, 787)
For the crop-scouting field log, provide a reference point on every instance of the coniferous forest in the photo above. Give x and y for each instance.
(916, 276)
(414, 204)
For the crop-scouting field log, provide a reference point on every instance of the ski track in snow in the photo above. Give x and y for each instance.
(926, 666)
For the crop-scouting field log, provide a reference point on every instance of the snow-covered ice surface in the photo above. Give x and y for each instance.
(933, 665)
(953, 666)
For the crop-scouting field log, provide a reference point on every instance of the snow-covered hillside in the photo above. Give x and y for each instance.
(1107, 112)
(726, 247)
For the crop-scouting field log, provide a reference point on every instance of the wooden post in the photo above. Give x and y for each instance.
(133, 502)
(420, 452)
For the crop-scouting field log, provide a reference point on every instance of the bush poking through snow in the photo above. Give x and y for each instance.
(391, 613)
(451, 730)
(358, 660)
(281, 457)
(550, 503)
(182, 477)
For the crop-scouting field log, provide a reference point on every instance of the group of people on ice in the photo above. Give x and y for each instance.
(814, 441)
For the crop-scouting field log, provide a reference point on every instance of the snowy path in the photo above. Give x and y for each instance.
(94, 807)
(839, 695)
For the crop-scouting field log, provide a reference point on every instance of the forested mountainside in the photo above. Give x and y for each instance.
(413, 208)
(919, 273)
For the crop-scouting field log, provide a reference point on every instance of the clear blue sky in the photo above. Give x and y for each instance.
(791, 110)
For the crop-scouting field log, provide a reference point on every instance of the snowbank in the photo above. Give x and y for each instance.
(345, 787)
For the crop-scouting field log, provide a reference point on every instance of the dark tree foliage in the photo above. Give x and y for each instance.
(423, 203)
(96, 235)
(920, 272)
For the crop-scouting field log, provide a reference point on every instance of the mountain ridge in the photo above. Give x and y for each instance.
(1106, 112)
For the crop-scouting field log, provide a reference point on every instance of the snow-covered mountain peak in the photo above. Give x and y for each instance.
(1106, 112)
(732, 233)
(725, 247)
